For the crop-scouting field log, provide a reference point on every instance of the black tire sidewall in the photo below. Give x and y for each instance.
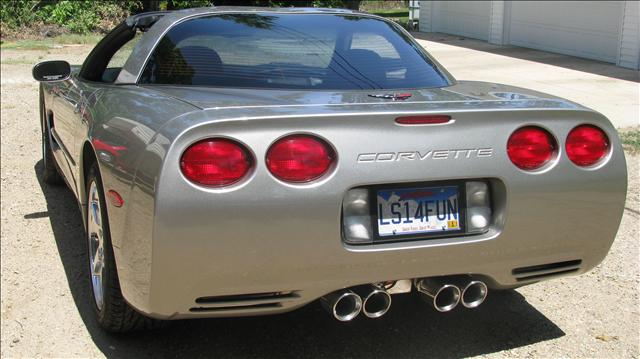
(47, 155)
(50, 171)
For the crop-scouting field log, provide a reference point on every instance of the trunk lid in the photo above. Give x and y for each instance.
(465, 94)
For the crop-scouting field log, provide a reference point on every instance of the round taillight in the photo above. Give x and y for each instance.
(586, 145)
(215, 162)
(530, 147)
(299, 158)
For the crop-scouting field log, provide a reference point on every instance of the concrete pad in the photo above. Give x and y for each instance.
(606, 88)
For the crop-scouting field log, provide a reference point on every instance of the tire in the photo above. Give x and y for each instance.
(112, 311)
(49, 172)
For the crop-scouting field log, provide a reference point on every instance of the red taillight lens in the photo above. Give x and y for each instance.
(215, 162)
(299, 158)
(530, 148)
(586, 145)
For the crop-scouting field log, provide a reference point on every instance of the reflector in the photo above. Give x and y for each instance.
(115, 198)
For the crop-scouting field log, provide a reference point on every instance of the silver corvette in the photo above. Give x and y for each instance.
(249, 161)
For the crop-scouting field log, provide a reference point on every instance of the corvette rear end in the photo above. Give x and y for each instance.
(437, 197)
(248, 161)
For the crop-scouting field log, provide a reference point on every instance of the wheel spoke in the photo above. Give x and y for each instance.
(97, 267)
(95, 213)
(96, 258)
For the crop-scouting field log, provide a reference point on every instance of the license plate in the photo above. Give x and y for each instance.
(419, 211)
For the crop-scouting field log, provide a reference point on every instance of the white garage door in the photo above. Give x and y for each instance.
(466, 18)
(587, 29)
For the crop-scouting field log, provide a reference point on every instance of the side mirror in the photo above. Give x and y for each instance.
(48, 71)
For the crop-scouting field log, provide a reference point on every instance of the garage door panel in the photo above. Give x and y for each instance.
(586, 29)
(465, 18)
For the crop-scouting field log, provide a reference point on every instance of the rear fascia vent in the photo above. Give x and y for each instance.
(546, 270)
(244, 301)
(237, 307)
(274, 296)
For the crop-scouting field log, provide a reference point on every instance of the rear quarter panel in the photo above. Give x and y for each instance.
(121, 126)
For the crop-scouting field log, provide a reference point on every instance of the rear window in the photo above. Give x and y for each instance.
(290, 51)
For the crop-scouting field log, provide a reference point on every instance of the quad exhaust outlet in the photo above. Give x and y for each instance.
(442, 293)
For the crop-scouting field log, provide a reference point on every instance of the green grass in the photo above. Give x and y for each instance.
(48, 43)
(90, 39)
(401, 16)
(631, 140)
(26, 45)
(20, 61)
(404, 12)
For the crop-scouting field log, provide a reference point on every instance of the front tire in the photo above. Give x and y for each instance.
(113, 313)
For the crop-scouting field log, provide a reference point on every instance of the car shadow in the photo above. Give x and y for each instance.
(549, 58)
(410, 329)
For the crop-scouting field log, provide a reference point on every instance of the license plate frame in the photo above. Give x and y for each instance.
(462, 211)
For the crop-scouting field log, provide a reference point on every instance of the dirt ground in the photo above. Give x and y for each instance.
(45, 308)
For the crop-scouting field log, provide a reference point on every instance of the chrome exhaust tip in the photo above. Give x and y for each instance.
(344, 304)
(474, 294)
(443, 297)
(377, 303)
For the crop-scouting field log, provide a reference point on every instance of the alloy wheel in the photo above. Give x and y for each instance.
(95, 236)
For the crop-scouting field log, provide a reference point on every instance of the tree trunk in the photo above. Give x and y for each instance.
(150, 5)
(352, 4)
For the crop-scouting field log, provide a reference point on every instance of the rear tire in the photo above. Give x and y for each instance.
(112, 311)
(49, 171)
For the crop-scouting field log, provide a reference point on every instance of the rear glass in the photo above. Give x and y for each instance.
(290, 51)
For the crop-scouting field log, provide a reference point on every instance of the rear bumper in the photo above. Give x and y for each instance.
(204, 273)
(264, 236)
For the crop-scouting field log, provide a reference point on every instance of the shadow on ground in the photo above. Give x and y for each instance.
(410, 329)
(549, 58)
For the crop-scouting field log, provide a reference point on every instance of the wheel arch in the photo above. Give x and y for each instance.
(46, 114)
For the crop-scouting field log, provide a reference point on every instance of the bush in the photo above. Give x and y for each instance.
(18, 13)
(77, 16)
(84, 16)
(113, 12)
(185, 4)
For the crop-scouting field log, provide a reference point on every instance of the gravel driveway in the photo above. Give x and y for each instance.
(45, 308)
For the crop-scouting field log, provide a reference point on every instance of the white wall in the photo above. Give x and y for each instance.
(587, 29)
(629, 49)
(466, 18)
(425, 16)
(601, 30)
